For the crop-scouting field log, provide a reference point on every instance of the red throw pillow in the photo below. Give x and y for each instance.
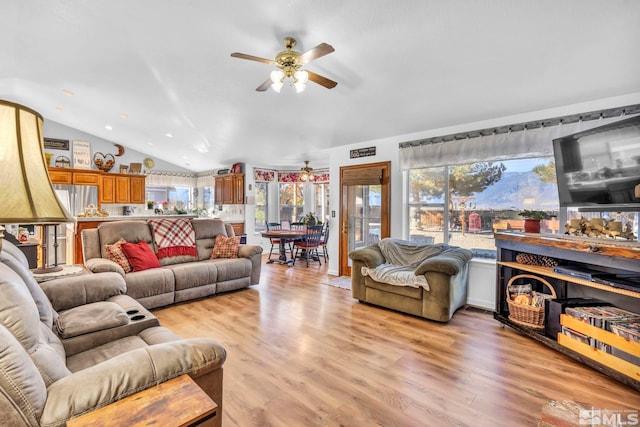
(140, 256)
(225, 247)
(116, 254)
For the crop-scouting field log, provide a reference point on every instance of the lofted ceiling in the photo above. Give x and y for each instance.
(402, 67)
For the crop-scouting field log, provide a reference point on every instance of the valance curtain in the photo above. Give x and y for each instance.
(263, 175)
(207, 179)
(171, 179)
(523, 144)
(317, 176)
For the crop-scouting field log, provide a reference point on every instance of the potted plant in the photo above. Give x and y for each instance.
(310, 219)
(532, 219)
(150, 204)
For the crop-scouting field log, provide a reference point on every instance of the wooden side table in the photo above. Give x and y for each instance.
(175, 403)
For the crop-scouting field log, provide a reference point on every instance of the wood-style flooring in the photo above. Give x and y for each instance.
(303, 353)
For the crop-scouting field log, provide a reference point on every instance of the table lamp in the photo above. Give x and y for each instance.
(26, 193)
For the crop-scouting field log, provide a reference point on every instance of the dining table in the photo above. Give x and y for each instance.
(284, 236)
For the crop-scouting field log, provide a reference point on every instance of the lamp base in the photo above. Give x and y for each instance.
(46, 270)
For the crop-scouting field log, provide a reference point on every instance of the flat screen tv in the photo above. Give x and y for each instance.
(599, 169)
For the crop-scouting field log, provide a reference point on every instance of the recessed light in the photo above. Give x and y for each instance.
(168, 135)
(59, 109)
(67, 92)
(108, 127)
(149, 143)
(124, 116)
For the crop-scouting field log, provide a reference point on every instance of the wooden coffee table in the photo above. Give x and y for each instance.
(175, 403)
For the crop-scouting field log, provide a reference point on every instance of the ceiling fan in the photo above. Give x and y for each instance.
(289, 64)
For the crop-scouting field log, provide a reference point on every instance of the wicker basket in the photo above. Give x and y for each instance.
(527, 315)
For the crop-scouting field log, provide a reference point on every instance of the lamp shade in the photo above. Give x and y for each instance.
(26, 193)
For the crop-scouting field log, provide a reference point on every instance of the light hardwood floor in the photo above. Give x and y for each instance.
(303, 353)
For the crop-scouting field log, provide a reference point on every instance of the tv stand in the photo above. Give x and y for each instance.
(602, 257)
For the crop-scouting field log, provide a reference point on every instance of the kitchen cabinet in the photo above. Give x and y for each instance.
(122, 188)
(238, 228)
(86, 178)
(60, 176)
(108, 189)
(137, 189)
(230, 190)
(238, 189)
(123, 192)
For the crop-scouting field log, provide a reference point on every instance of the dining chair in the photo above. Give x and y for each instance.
(324, 240)
(274, 242)
(307, 247)
(298, 225)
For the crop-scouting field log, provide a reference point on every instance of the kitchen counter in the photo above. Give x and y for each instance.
(127, 217)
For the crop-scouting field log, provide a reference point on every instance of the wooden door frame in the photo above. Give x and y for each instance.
(385, 210)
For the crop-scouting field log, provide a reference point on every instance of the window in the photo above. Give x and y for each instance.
(167, 197)
(463, 204)
(291, 201)
(322, 201)
(262, 193)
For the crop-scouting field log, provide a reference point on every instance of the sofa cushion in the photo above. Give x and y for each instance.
(226, 247)
(175, 240)
(90, 318)
(20, 380)
(206, 230)
(133, 231)
(117, 255)
(15, 259)
(19, 314)
(140, 256)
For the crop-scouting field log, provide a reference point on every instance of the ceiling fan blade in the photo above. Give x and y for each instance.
(264, 86)
(317, 52)
(321, 80)
(252, 58)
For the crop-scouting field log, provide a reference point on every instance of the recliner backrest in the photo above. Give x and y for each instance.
(19, 315)
(17, 261)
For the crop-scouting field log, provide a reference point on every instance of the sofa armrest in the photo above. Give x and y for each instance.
(449, 262)
(128, 373)
(370, 256)
(103, 265)
(68, 292)
(247, 251)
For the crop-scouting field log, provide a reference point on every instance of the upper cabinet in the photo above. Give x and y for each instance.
(238, 189)
(61, 176)
(229, 190)
(137, 188)
(112, 187)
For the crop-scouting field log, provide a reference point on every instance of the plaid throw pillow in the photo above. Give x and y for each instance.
(226, 247)
(116, 254)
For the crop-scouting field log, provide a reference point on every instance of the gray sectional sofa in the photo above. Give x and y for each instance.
(75, 344)
(180, 278)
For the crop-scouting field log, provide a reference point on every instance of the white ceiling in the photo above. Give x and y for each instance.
(401, 66)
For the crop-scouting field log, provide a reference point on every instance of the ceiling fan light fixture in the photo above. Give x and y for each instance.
(277, 76)
(306, 172)
(301, 76)
(299, 86)
(277, 86)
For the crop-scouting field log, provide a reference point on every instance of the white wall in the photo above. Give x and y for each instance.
(52, 129)
(482, 277)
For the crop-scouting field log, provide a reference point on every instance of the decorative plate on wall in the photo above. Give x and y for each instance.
(148, 163)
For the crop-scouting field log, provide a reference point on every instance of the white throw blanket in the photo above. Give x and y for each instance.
(402, 258)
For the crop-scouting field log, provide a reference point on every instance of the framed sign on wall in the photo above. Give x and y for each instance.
(81, 154)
